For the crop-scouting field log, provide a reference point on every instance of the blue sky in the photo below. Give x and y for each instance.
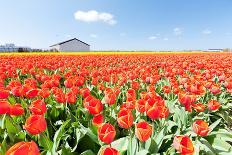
(118, 24)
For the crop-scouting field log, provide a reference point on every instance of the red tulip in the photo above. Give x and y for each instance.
(44, 93)
(35, 124)
(4, 94)
(32, 93)
(201, 128)
(38, 107)
(71, 98)
(60, 97)
(140, 105)
(85, 92)
(17, 91)
(215, 89)
(4, 107)
(69, 83)
(24, 148)
(109, 151)
(125, 118)
(16, 110)
(213, 105)
(110, 98)
(106, 133)
(199, 107)
(183, 145)
(93, 105)
(143, 131)
(135, 85)
(98, 120)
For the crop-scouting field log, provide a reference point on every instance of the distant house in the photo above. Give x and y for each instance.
(72, 45)
(12, 48)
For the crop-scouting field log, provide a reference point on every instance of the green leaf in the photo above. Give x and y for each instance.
(3, 145)
(12, 128)
(221, 145)
(121, 144)
(89, 133)
(58, 135)
(212, 126)
(207, 146)
(142, 152)
(151, 146)
(158, 138)
(2, 121)
(87, 152)
(79, 135)
(45, 142)
(132, 145)
(11, 99)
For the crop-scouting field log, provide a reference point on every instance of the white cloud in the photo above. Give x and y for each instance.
(152, 37)
(93, 35)
(177, 31)
(165, 39)
(206, 32)
(94, 16)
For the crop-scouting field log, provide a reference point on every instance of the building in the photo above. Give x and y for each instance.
(12, 48)
(215, 50)
(72, 45)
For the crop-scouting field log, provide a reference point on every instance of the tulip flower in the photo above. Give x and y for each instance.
(143, 131)
(38, 107)
(24, 148)
(4, 107)
(16, 110)
(109, 151)
(213, 105)
(35, 124)
(4, 94)
(106, 133)
(32, 93)
(93, 105)
(125, 118)
(183, 145)
(98, 120)
(201, 128)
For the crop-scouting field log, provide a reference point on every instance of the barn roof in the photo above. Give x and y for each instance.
(69, 41)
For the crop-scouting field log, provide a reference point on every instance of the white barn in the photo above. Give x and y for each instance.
(72, 45)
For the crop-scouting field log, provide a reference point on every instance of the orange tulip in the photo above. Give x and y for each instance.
(199, 107)
(24, 148)
(213, 105)
(140, 105)
(35, 124)
(93, 105)
(106, 133)
(201, 128)
(125, 118)
(143, 131)
(183, 145)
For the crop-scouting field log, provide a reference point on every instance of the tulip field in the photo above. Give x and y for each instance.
(116, 104)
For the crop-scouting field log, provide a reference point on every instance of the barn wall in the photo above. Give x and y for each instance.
(57, 47)
(73, 46)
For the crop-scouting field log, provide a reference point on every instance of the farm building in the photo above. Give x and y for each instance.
(72, 45)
